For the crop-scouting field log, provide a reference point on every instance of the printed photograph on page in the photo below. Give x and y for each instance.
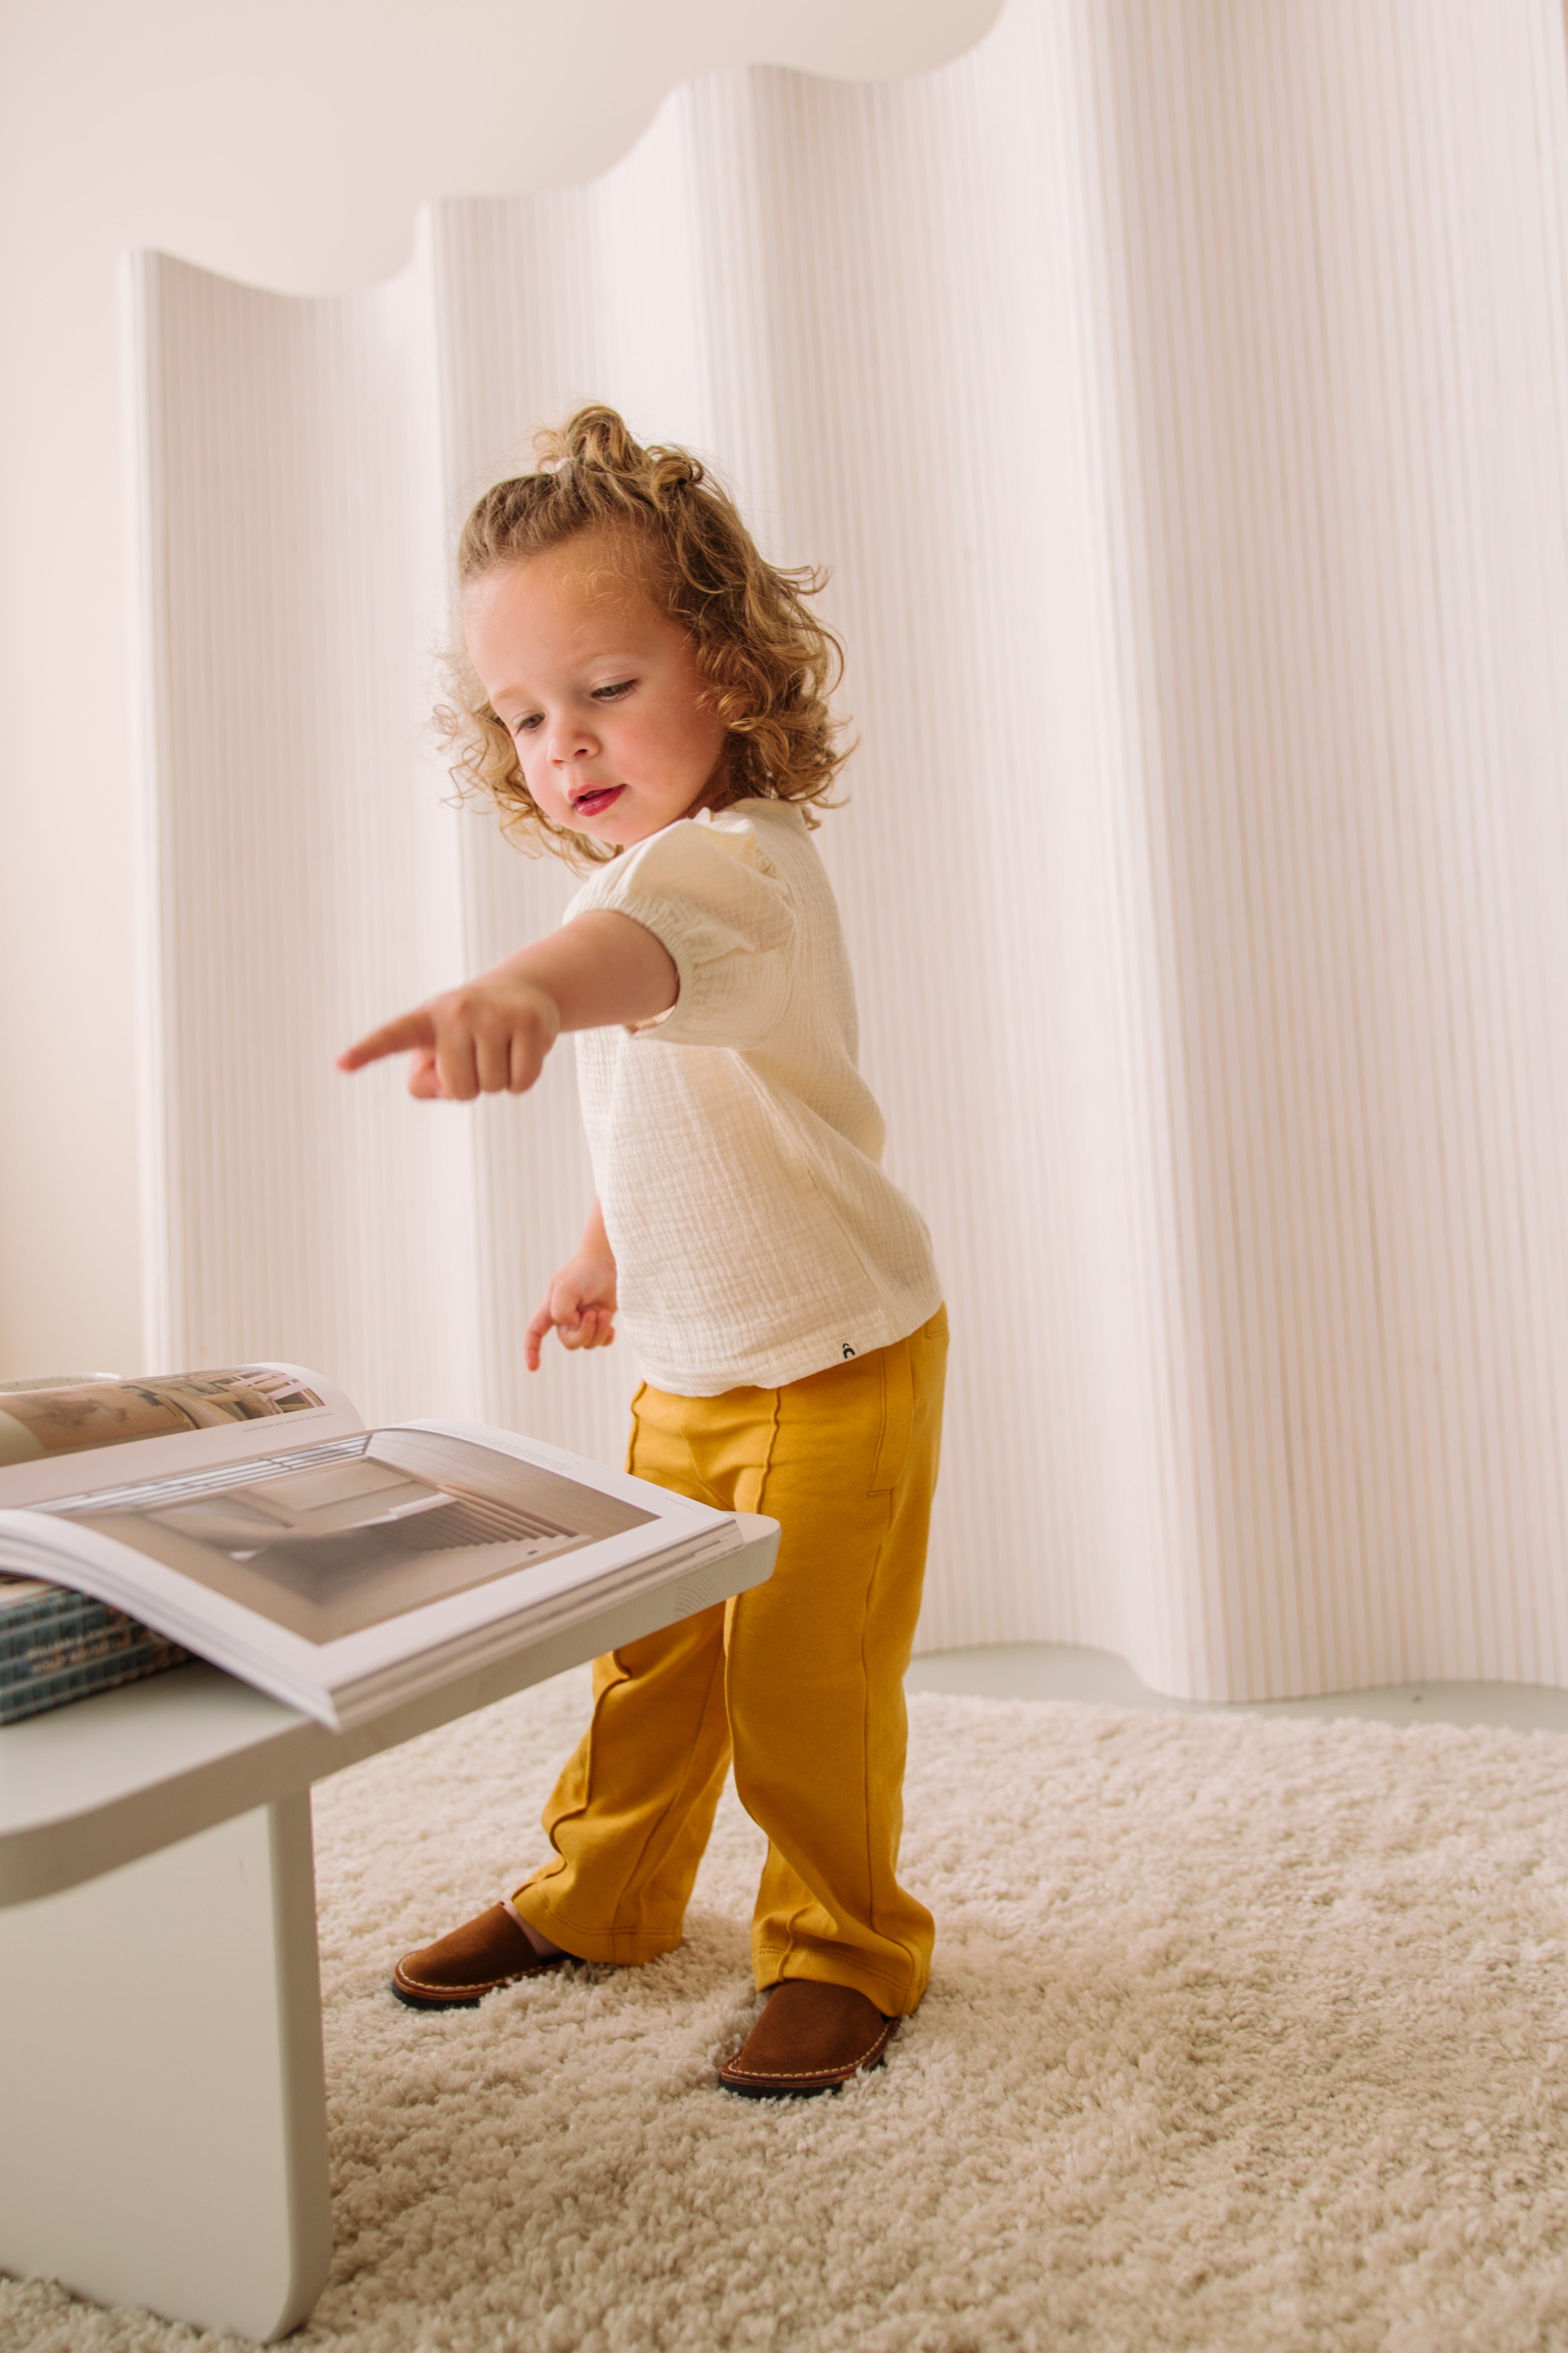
(374, 1527)
(37, 1424)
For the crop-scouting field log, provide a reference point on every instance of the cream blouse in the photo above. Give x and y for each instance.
(735, 1142)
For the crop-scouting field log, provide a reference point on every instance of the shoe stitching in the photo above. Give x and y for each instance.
(804, 2075)
(426, 1985)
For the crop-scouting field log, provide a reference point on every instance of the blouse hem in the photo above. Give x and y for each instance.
(820, 1356)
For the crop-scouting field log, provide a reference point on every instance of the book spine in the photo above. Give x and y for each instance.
(61, 1646)
(37, 1694)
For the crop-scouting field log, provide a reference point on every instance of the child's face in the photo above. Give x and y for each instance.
(615, 736)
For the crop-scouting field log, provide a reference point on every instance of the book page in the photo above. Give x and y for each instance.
(76, 1437)
(359, 1532)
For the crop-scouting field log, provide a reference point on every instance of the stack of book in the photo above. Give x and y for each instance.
(57, 1645)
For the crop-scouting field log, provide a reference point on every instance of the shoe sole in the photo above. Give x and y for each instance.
(784, 2091)
(440, 2002)
(803, 2087)
(469, 1996)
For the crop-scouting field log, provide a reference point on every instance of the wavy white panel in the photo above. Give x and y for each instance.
(1178, 396)
(295, 877)
(1341, 343)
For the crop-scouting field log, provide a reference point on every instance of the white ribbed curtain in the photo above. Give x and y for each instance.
(1178, 394)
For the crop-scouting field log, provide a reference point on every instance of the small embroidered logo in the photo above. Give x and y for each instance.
(848, 1349)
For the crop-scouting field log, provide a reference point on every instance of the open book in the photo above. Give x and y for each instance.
(250, 1516)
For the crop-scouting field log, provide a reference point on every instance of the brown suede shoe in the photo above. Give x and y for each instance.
(458, 1970)
(810, 2037)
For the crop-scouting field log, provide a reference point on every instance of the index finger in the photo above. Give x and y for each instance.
(415, 1028)
(533, 1337)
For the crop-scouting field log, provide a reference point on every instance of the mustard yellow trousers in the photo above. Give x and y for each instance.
(800, 1682)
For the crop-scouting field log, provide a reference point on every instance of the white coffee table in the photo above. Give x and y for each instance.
(163, 2106)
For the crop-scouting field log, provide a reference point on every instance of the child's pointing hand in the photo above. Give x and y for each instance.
(488, 1037)
(492, 1036)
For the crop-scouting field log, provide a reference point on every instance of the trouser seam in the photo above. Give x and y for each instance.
(670, 1807)
(764, 1474)
(655, 1827)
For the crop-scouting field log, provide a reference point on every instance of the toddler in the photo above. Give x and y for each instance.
(641, 691)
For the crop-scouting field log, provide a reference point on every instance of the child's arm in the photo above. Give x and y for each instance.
(580, 1303)
(492, 1036)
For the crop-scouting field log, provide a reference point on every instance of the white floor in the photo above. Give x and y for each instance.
(1066, 1670)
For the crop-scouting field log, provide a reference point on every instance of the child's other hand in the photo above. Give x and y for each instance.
(579, 1306)
(488, 1037)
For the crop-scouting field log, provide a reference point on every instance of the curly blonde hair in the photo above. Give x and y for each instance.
(769, 662)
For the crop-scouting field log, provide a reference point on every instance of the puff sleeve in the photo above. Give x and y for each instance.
(709, 892)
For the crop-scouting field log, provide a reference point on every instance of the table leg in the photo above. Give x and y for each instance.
(165, 2137)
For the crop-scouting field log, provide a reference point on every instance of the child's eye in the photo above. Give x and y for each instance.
(613, 693)
(526, 724)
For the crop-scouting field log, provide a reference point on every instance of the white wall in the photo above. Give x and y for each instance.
(286, 145)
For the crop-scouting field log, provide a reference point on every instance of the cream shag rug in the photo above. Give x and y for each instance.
(1244, 2035)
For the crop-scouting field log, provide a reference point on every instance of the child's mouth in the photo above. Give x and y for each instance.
(595, 803)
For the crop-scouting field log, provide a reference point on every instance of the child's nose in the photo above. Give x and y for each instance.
(571, 738)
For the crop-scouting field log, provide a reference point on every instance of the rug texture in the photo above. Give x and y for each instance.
(1244, 2035)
